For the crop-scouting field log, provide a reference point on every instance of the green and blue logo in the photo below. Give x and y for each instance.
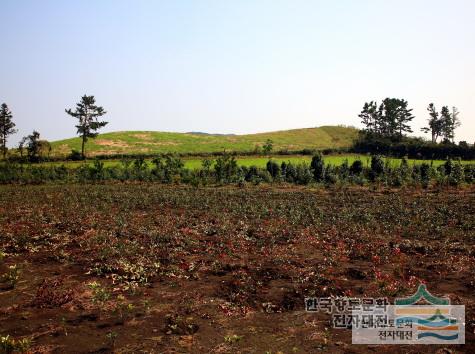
(432, 319)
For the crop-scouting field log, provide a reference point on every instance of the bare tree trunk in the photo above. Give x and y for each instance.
(3, 145)
(82, 149)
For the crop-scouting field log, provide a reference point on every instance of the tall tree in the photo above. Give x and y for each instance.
(442, 125)
(403, 118)
(396, 116)
(268, 146)
(33, 145)
(455, 121)
(434, 123)
(7, 127)
(449, 122)
(391, 119)
(21, 145)
(370, 117)
(87, 113)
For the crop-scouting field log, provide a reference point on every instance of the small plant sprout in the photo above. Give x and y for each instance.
(233, 338)
(12, 275)
(111, 338)
(63, 324)
(122, 308)
(9, 345)
(147, 306)
(99, 293)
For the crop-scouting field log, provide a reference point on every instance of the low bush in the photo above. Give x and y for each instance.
(170, 169)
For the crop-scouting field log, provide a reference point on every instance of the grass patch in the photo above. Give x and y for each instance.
(150, 142)
(261, 161)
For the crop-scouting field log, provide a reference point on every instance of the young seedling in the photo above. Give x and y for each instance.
(12, 275)
(123, 309)
(231, 339)
(147, 306)
(9, 345)
(111, 338)
(63, 324)
(99, 294)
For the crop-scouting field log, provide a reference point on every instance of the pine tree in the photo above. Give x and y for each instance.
(87, 113)
(444, 125)
(395, 117)
(455, 122)
(447, 124)
(318, 167)
(434, 123)
(33, 146)
(7, 127)
(403, 117)
(370, 117)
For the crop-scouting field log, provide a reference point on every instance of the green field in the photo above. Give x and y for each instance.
(150, 142)
(261, 161)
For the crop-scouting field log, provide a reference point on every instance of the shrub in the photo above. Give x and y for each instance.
(168, 169)
(206, 165)
(303, 174)
(290, 173)
(330, 175)
(343, 171)
(404, 170)
(425, 174)
(226, 169)
(448, 165)
(377, 167)
(97, 170)
(140, 169)
(173, 169)
(395, 178)
(256, 176)
(74, 156)
(469, 173)
(268, 146)
(456, 176)
(283, 170)
(273, 168)
(250, 173)
(356, 168)
(318, 167)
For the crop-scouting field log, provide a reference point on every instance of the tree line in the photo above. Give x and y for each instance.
(86, 112)
(391, 119)
(386, 128)
(442, 125)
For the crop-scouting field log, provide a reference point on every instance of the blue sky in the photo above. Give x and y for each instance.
(233, 66)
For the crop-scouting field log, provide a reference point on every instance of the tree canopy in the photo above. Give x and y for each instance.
(390, 119)
(87, 113)
(7, 127)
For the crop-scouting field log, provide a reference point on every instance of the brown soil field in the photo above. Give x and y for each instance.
(153, 268)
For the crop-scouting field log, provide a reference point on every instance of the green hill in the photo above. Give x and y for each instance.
(150, 142)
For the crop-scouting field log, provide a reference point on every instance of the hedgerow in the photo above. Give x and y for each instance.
(225, 170)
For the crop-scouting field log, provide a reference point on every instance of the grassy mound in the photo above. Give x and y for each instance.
(150, 142)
